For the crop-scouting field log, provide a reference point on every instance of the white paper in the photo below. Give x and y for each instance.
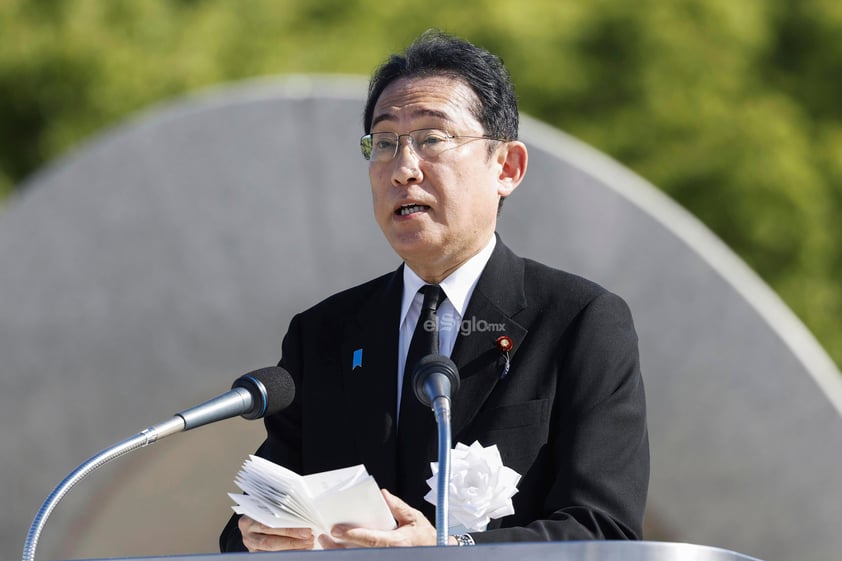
(280, 498)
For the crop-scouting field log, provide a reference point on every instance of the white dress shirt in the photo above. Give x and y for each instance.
(458, 287)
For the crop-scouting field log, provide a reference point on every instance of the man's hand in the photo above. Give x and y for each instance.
(413, 529)
(257, 537)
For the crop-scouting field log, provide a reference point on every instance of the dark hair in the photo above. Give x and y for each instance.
(435, 53)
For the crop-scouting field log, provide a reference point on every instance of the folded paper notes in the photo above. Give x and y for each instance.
(280, 498)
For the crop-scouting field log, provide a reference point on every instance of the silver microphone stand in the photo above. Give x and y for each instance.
(441, 408)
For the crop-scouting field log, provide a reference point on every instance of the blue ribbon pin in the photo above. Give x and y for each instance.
(358, 359)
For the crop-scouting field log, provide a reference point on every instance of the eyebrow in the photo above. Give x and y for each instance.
(417, 113)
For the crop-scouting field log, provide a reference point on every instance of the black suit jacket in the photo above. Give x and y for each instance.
(569, 416)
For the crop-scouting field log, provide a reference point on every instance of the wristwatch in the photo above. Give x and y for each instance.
(464, 539)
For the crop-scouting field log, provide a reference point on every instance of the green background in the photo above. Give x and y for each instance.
(732, 107)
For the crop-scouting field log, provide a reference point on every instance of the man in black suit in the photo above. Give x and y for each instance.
(548, 361)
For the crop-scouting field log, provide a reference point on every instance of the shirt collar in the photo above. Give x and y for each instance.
(458, 286)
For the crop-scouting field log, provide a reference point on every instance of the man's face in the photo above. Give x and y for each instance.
(436, 213)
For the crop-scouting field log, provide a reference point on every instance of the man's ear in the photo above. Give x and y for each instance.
(513, 159)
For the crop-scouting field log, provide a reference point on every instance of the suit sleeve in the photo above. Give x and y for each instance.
(283, 442)
(598, 442)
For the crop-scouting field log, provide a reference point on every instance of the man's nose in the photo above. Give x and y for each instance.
(407, 164)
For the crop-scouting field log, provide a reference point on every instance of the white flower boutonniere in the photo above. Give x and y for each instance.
(481, 487)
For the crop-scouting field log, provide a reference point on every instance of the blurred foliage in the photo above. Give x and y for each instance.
(732, 108)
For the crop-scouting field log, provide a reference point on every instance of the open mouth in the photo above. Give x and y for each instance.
(406, 210)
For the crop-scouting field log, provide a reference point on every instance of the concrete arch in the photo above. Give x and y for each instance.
(145, 271)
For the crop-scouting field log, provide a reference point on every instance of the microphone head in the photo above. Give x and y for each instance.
(271, 389)
(435, 376)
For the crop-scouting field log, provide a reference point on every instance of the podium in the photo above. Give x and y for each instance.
(543, 551)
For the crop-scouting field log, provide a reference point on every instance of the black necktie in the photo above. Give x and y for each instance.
(416, 428)
(425, 339)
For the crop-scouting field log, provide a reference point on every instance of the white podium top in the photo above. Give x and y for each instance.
(543, 551)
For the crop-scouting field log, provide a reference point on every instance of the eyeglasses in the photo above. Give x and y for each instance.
(427, 143)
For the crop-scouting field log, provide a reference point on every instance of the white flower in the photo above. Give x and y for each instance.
(481, 487)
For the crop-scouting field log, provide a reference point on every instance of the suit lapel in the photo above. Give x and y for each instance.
(498, 296)
(372, 386)
(369, 355)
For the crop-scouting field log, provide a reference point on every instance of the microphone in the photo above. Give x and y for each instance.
(435, 376)
(434, 380)
(254, 395)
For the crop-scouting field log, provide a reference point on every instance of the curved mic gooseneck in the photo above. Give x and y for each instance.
(435, 380)
(253, 395)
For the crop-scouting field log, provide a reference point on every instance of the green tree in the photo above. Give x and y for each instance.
(729, 107)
